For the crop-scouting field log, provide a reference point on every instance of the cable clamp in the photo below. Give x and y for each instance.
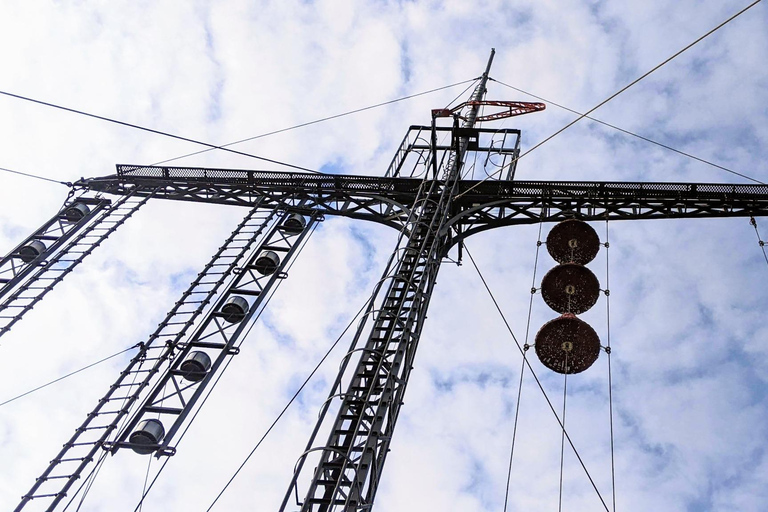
(761, 243)
(526, 347)
(753, 221)
(539, 243)
(533, 291)
(607, 350)
(607, 245)
(607, 293)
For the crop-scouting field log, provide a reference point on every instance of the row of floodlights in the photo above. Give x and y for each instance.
(72, 214)
(568, 344)
(150, 432)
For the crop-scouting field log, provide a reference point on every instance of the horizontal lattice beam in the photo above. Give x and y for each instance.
(477, 206)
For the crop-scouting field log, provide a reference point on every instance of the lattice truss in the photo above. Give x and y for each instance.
(435, 193)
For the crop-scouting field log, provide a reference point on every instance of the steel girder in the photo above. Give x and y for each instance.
(491, 204)
(384, 200)
(477, 205)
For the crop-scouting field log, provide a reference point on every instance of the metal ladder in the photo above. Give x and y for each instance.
(103, 422)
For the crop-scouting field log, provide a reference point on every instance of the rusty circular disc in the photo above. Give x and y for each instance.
(570, 288)
(573, 241)
(567, 339)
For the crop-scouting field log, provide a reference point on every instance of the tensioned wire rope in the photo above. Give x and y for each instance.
(536, 378)
(327, 118)
(211, 147)
(612, 96)
(88, 482)
(522, 367)
(70, 374)
(147, 489)
(607, 349)
(368, 306)
(151, 130)
(93, 474)
(562, 435)
(760, 241)
(633, 134)
(29, 175)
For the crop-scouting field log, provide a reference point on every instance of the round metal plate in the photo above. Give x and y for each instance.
(573, 241)
(567, 345)
(570, 288)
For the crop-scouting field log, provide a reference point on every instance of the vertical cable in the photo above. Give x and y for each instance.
(146, 479)
(514, 434)
(562, 436)
(608, 351)
(759, 240)
(522, 369)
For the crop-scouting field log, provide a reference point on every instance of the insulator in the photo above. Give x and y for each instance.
(573, 241)
(570, 288)
(76, 212)
(234, 309)
(196, 365)
(267, 263)
(147, 436)
(567, 339)
(295, 223)
(32, 250)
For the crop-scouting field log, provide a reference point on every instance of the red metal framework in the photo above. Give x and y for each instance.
(514, 108)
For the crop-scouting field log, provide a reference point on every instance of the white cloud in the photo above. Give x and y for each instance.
(687, 301)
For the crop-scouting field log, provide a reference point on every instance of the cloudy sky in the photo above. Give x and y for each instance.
(690, 345)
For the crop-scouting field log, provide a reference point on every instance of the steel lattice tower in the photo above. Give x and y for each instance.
(423, 195)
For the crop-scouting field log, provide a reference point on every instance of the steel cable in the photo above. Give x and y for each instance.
(538, 382)
(608, 352)
(69, 375)
(28, 175)
(622, 130)
(218, 378)
(614, 95)
(562, 436)
(157, 132)
(760, 241)
(522, 369)
(316, 121)
(223, 370)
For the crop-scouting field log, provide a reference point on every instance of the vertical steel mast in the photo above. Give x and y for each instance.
(351, 461)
